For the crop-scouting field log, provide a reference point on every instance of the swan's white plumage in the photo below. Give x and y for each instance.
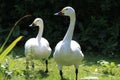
(68, 55)
(37, 48)
(68, 52)
(37, 51)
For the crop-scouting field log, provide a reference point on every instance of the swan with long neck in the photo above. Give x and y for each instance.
(38, 47)
(68, 52)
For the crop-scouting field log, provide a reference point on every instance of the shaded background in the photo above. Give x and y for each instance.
(97, 25)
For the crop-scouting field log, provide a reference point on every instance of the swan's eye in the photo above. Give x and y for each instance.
(38, 20)
(66, 9)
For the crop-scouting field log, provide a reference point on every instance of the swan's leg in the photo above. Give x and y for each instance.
(27, 64)
(27, 69)
(60, 71)
(32, 64)
(76, 71)
(46, 61)
(61, 74)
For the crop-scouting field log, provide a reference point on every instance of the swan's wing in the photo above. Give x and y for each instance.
(28, 45)
(30, 42)
(75, 44)
(76, 49)
(46, 43)
(57, 48)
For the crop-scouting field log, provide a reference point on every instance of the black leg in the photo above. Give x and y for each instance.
(46, 66)
(27, 64)
(61, 74)
(32, 64)
(76, 71)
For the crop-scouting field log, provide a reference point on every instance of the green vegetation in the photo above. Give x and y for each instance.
(3, 52)
(4, 70)
(92, 67)
(9, 48)
(97, 30)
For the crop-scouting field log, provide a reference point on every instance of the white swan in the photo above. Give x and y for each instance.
(38, 47)
(68, 52)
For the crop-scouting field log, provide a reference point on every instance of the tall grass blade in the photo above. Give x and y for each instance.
(10, 47)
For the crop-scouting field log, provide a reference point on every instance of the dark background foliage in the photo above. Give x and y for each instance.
(97, 25)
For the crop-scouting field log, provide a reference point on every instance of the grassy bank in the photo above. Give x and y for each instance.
(99, 67)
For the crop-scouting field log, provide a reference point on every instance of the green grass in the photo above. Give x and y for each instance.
(89, 68)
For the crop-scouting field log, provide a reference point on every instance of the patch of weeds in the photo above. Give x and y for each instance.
(5, 72)
(108, 68)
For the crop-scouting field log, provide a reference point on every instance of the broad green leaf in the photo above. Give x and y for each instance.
(10, 47)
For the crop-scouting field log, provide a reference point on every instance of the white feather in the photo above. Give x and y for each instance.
(37, 50)
(65, 55)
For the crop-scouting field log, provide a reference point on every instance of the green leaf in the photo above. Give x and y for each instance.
(10, 47)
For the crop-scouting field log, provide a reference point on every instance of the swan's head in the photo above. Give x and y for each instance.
(37, 22)
(67, 11)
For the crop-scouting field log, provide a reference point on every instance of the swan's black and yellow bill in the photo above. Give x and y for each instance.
(59, 13)
(32, 25)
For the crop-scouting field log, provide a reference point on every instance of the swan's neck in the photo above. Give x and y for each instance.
(40, 32)
(69, 34)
